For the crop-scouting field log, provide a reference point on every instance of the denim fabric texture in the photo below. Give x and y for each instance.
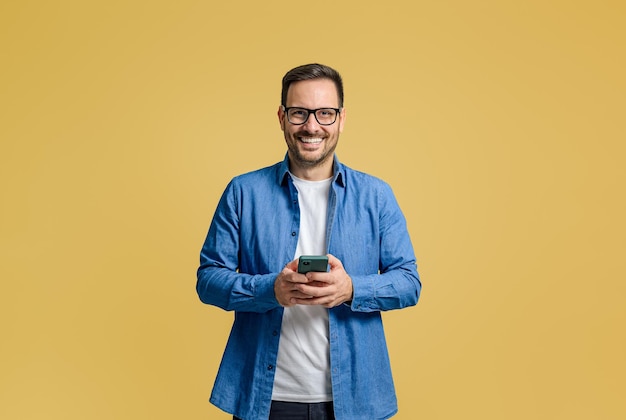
(253, 235)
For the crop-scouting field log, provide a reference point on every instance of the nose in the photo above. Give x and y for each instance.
(311, 123)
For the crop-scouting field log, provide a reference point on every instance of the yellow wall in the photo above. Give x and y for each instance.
(499, 124)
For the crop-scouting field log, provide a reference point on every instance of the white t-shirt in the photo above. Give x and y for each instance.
(303, 365)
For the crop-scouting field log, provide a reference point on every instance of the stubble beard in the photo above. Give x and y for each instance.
(305, 162)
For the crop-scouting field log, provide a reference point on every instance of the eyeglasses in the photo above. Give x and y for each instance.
(299, 116)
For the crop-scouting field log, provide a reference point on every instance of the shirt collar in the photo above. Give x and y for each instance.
(338, 171)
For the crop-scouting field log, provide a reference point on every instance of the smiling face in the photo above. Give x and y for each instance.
(311, 146)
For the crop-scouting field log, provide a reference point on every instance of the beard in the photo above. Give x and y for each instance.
(310, 159)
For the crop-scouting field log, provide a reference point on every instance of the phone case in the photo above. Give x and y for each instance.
(308, 263)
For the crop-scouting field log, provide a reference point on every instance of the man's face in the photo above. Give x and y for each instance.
(311, 144)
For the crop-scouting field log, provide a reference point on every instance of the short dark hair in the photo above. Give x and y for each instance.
(309, 72)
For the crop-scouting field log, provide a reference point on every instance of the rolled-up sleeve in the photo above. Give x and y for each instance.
(397, 285)
(218, 281)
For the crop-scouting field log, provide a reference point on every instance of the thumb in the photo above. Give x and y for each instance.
(334, 262)
(292, 265)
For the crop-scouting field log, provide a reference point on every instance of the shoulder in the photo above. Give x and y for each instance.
(358, 179)
(262, 176)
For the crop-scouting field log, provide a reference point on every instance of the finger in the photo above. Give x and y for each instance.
(315, 291)
(292, 265)
(291, 277)
(326, 301)
(334, 262)
(296, 278)
(318, 278)
(291, 298)
(300, 295)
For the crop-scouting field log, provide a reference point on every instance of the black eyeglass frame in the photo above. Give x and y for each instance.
(309, 112)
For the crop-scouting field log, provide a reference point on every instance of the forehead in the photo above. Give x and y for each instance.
(315, 93)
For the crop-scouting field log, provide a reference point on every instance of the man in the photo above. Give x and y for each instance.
(307, 346)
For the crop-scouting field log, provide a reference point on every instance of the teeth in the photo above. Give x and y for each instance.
(310, 140)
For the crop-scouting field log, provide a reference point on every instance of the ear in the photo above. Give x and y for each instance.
(281, 117)
(342, 119)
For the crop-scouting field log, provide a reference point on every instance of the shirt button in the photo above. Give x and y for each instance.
(293, 233)
(274, 333)
(270, 367)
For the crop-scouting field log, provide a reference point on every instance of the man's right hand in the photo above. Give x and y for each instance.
(285, 286)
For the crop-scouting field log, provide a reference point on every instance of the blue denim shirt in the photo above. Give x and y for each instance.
(252, 237)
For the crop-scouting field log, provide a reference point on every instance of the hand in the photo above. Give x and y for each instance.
(327, 289)
(286, 286)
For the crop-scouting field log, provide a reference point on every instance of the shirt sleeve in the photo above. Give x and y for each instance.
(397, 285)
(218, 281)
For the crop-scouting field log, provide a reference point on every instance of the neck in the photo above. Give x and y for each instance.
(318, 172)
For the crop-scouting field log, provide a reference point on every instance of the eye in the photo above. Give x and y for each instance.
(297, 112)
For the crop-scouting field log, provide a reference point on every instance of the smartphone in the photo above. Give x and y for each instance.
(308, 263)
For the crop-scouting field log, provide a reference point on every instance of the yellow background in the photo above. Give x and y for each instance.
(499, 124)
